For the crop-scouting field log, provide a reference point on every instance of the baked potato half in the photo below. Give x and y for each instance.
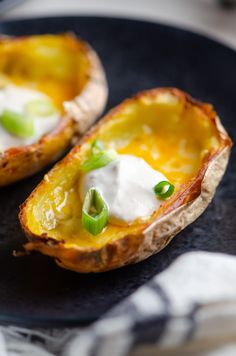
(173, 133)
(69, 72)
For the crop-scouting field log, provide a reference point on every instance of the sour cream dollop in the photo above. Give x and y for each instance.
(15, 98)
(126, 184)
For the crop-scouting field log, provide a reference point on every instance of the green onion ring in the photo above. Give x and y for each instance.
(40, 107)
(160, 191)
(97, 146)
(17, 124)
(99, 160)
(94, 212)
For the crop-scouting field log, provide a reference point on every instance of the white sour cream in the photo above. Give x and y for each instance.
(15, 98)
(126, 184)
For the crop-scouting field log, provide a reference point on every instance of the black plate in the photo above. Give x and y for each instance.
(136, 55)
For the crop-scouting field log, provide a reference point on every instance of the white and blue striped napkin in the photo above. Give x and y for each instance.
(189, 309)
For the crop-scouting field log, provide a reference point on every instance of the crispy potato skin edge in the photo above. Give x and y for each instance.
(80, 113)
(188, 206)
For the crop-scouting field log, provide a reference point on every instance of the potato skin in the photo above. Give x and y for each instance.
(79, 114)
(180, 211)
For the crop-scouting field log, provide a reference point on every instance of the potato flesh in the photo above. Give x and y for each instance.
(171, 136)
(54, 64)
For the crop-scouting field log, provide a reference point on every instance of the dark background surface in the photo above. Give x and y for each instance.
(136, 56)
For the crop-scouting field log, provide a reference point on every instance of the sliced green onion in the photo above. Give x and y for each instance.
(164, 189)
(99, 160)
(94, 212)
(40, 107)
(97, 146)
(17, 124)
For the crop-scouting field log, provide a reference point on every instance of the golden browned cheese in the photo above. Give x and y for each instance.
(64, 68)
(178, 136)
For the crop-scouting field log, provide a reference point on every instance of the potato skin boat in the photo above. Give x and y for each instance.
(174, 215)
(79, 111)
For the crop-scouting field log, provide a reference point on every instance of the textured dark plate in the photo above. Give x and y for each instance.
(136, 55)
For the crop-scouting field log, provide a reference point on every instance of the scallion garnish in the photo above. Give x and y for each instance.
(17, 124)
(94, 212)
(40, 107)
(99, 157)
(164, 189)
(99, 160)
(97, 146)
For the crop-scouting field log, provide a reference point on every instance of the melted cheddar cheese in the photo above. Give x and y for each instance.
(53, 64)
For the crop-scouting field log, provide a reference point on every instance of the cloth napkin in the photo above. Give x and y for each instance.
(189, 309)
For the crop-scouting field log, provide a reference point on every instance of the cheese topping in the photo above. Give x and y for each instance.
(15, 99)
(126, 184)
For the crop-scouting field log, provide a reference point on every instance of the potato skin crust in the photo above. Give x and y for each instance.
(79, 114)
(180, 211)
